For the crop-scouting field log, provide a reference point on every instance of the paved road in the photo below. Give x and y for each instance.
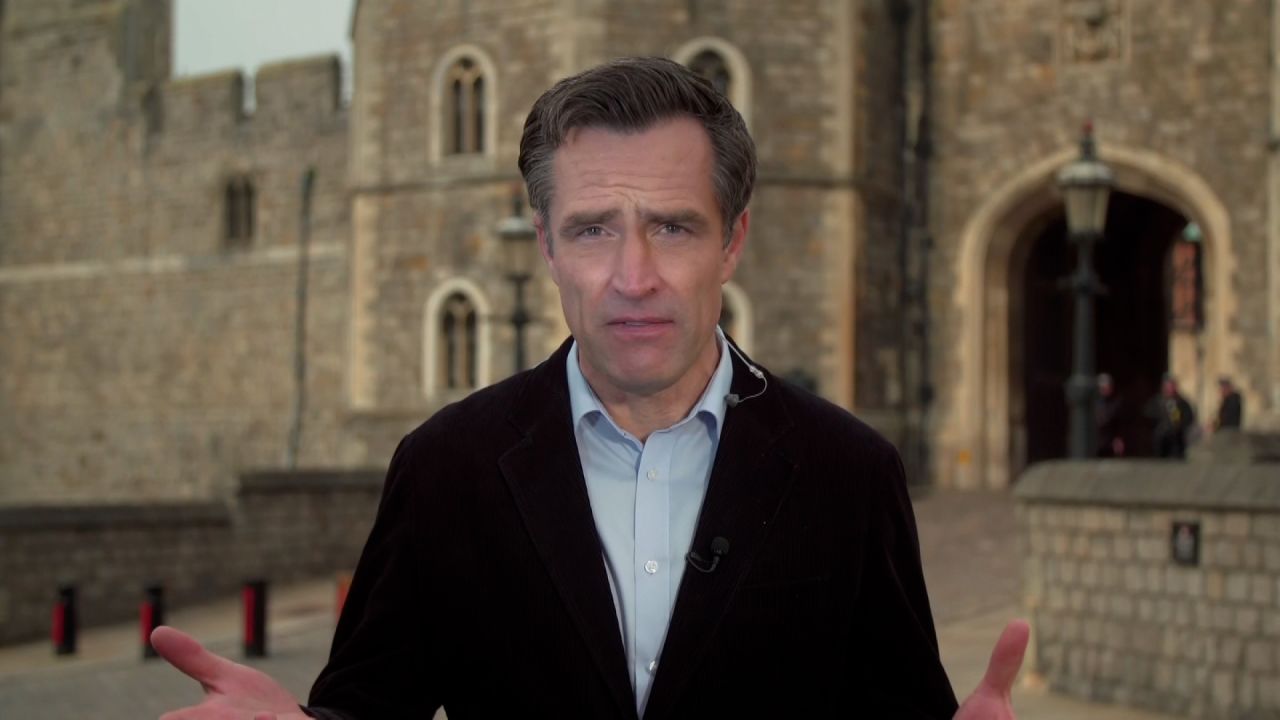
(968, 544)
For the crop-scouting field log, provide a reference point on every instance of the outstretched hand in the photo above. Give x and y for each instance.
(990, 700)
(232, 691)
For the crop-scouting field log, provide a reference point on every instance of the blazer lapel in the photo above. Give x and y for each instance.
(749, 481)
(546, 480)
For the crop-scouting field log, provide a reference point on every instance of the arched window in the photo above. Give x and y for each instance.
(239, 211)
(724, 66)
(735, 315)
(456, 345)
(466, 108)
(712, 66)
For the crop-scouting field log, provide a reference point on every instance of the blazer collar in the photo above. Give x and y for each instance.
(749, 480)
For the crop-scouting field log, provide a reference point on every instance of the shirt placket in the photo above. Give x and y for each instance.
(652, 556)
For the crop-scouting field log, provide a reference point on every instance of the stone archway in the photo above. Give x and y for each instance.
(976, 453)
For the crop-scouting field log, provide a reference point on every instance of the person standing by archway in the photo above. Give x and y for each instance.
(1174, 418)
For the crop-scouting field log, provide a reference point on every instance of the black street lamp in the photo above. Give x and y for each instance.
(1086, 185)
(518, 236)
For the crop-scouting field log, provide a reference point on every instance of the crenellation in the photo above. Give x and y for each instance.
(297, 92)
(204, 105)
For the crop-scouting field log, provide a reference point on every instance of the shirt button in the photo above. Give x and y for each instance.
(653, 665)
(652, 475)
(651, 567)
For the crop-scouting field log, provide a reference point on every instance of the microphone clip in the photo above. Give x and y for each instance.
(719, 548)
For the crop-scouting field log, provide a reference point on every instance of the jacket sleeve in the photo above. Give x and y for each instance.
(377, 666)
(895, 646)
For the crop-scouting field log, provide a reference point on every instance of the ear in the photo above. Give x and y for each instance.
(733, 250)
(544, 246)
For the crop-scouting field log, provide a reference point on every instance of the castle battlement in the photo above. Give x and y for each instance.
(295, 90)
(292, 92)
(202, 103)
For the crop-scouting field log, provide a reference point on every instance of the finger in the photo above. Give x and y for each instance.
(187, 655)
(1006, 658)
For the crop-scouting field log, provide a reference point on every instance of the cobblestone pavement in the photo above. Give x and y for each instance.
(968, 545)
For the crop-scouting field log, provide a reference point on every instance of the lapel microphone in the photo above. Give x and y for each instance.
(719, 548)
(733, 400)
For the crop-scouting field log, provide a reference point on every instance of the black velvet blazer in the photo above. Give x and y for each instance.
(482, 587)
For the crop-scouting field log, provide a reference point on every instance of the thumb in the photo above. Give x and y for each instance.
(1006, 658)
(187, 655)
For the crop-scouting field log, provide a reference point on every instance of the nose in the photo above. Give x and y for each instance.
(635, 273)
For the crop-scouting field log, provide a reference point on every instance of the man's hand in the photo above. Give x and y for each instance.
(232, 691)
(990, 701)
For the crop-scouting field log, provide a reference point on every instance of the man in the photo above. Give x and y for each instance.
(1173, 418)
(1110, 435)
(529, 554)
(1231, 411)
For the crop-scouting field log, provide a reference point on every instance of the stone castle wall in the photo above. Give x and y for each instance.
(142, 356)
(277, 527)
(1116, 619)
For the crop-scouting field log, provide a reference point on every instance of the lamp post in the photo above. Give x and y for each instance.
(1086, 185)
(518, 235)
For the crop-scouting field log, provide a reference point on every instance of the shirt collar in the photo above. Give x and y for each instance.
(583, 400)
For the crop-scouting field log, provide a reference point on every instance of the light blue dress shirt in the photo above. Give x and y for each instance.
(645, 498)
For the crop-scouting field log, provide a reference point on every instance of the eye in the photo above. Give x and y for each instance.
(591, 231)
(673, 229)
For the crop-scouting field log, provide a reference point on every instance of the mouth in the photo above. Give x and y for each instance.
(639, 327)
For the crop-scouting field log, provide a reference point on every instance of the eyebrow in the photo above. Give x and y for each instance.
(580, 220)
(675, 217)
(684, 216)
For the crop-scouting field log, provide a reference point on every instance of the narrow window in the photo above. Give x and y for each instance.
(238, 212)
(457, 363)
(466, 108)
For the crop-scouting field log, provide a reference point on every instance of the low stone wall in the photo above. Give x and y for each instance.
(280, 527)
(1117, 618)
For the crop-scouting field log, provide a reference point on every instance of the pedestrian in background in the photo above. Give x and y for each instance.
(1173, 417)
(1110, 439)
(1231, 410)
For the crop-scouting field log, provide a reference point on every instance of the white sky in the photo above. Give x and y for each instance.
(212, 35)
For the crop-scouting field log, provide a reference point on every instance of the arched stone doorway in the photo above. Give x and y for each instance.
(978, 441)
(1132, 323)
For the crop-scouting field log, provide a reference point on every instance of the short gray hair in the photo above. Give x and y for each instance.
(631, 95)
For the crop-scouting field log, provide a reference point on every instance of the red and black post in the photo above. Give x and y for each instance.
(65, 621)
(150, 617)
(254, 596)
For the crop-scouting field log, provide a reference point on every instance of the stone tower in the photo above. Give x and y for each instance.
(820, 282)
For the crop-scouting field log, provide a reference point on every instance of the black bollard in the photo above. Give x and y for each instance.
(255, 618)
(65, 621)
(150, 617)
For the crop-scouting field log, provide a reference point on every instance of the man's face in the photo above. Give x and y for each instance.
(635, 243)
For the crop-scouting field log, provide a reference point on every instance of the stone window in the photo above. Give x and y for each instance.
(457, 344)
(465, 108)
(239, 208)
(712, 66)
(723, 65)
